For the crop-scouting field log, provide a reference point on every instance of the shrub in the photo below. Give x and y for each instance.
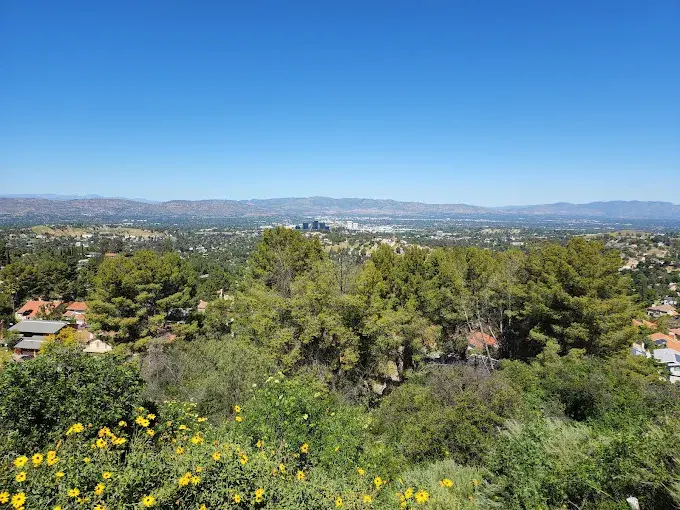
(41, 397)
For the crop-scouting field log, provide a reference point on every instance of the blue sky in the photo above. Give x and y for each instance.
(489, 103)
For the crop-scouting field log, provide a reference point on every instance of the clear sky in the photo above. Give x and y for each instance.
(474, 101)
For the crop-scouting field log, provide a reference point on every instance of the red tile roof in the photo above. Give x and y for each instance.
(654, 337)
(31, 308)
(480, 340)
(647, 324)
(77, 306)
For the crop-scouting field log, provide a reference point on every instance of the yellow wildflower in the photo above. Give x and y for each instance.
(150, 432)
(259, 443)
(446, 483)
(73, 493)
(106, 475)
(18, 500)
(100, 443)
(37, 459)
(122, 423)
(236, 498)
(300, 475)
(237, 409)
(201, 419)
(21, 477)
(60, 474)
(475, 482)
(338, 501)
(97, 507)
(197, 439)
(422, 497)
(4, 497)
(118, 440)
(151, 416)
(282, 467)
(184, 479)
(99, 489)
(183, 427)
(58, 507)
(367, 499)
(20, 461)
(378, 482)
(361, 471)
(238, 418)
(86, 460)
(51, 461)
(75, 429)
(148, 501)
(304, 448)
(105, 431)
(258, 495)
(195, 480)
(216, 456)
(408, 493)
(244, 459)
(141, 421)
(179, 450)
(199, 469)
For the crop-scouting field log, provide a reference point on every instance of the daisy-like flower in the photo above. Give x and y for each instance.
(18, 500)
(37, 459)
(422, 497)
(236, 498)
(367, 499)
(21, 477)
(300, 475)
(338, 502)
(148, 501)
(106, 475)
(20, 461)
(74, 493)
(304, 448)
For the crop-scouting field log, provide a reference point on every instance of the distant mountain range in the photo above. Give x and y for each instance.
(72, 208)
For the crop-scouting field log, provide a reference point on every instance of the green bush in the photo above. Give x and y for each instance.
(453, 412)
(41, 397)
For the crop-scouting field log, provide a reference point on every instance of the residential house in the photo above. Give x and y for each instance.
(202, 305)
(659, 310)
(33, 333)
(670, 358)
(75, 311)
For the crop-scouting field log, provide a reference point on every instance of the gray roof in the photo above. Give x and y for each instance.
(31, 344)
(38, 327)
(669, 357)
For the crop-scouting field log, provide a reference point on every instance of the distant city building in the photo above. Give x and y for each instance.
(305, 226)
(315, 225)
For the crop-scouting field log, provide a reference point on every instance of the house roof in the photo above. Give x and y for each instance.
(31, 308)
(656, 337)
(674, 331)
(202, 305)
(480, 340)
(30, 344)
(38, 327)
(667, 356)
(663, 308)
(647, 324)
(76, 306)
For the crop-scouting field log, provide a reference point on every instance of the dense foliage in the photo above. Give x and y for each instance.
(329, 379)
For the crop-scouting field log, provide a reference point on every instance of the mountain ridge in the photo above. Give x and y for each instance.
(64, 208)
